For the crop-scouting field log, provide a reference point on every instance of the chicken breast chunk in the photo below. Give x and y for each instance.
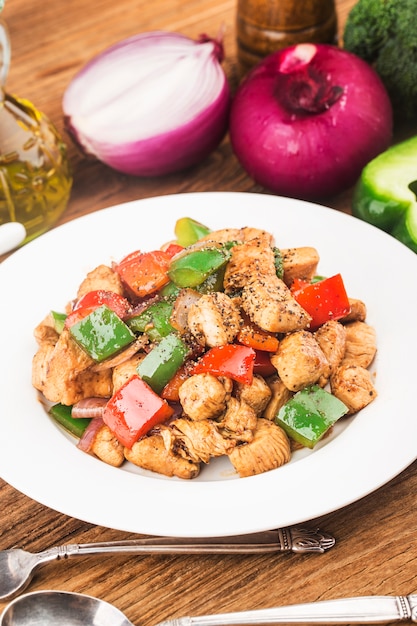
(239, 421)
(353, 385)
(203, 396)
(257, 395)
(239, 234)
(360, 344)
(201, 440)
(64, 374)
(300, 361)
(214, 319)
(107, 448)
(102, 277)
(299, 263)
(331, 338)
(150, 453)
(269, 449)
(123, 372)
(357, 312)
(280, 396)
(264, 297)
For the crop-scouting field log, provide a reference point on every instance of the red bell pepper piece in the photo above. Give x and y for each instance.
(263, 365)
(324, 300)
(256, 338)
(230, 360)
(171, 390)
(133, 410)
(144, 272)
(94, 299)
(173, 248)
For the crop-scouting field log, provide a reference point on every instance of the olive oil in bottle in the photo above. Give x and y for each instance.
(35, 177)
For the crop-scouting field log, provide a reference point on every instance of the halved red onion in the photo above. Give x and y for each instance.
(150, 105)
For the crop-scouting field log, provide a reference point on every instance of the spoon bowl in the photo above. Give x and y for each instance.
(61, 608)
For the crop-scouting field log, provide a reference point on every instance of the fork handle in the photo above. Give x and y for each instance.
(359, 610)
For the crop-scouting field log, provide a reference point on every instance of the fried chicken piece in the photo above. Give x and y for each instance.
(257, 395)
(150, 453)
(269, 449)
(353, 385)
(102, 277)
(45, 331)
(280, 396)
(357, 312)
(214, 319)
(64, 373)
(299, 263)
(107, 448)
(360, 344)
(200, 440)
(331, 338)
(263, 296)
(300, 361)
(40, 364)
(239, 421)
(124, 372)
(239, 234)
(248, 260)
(203, 396)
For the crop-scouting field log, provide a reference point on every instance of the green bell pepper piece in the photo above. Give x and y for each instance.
(59, 321)
(385, 194)
(169, 291)
(62, 414)
(161, 363)
(154, 321)
(188, 231)
(102, 333)
(309, 415)
(192, 269)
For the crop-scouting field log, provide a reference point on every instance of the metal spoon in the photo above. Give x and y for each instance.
(61, 608)
(18, 566)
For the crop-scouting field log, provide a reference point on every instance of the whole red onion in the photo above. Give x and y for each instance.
(307, 119)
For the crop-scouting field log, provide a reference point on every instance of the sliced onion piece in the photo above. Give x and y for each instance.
(89, 407)
(88, 437)
(121, 357)
(150, 105)
(179, 316)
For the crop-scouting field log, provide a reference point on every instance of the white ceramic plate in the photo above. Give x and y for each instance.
(38, 459)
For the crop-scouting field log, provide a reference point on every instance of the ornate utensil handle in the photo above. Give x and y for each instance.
(360, 610)
(300, 540)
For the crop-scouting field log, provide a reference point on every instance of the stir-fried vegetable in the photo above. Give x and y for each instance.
(235, 362)
(309, 415)
(102, 333)
(133, 410)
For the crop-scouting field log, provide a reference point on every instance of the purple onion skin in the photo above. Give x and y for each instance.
(308, 133)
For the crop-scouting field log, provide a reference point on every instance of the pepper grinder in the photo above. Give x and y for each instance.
(264, 26)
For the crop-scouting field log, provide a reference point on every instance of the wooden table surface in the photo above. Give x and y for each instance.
(376, 548)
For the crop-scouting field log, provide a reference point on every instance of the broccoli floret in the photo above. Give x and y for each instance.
(382, 32)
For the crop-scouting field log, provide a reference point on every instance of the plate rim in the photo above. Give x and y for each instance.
(232, 491)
